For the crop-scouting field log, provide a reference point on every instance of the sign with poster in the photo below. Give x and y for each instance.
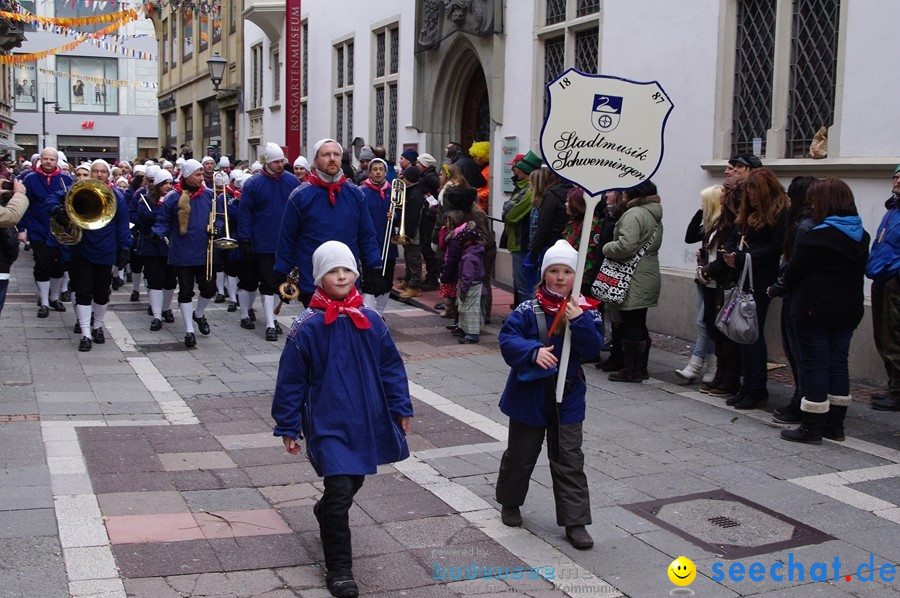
(601, 132)
(604, 132)
(25, 86)
(510, 149)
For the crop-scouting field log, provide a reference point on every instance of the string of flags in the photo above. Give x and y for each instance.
(25, 16)
(101, 80)
(34, 56)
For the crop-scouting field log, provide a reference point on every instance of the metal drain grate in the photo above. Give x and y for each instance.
(725, 522)
(739, 528)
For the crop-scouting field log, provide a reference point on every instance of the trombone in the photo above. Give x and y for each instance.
(223, 243)
(398, 201)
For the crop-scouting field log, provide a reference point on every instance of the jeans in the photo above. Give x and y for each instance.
(520, 278)
(886, 328)
(704, 345)
(791, 343)
(754, 357)
(823, 354)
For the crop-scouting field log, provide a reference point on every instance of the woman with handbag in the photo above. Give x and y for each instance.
(638, 232)
(831, 256)
(759, 232)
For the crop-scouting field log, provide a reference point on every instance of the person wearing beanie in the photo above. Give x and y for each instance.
(470, 282)
(381, 152)
(262, 205)
(301, 168)
(515, 221)
(83, 171)
(92, 259)
(45, 187)
(225, 164)
(342, 387)
(430, 182)
(184, 221)
(209, 168)
(411, 284)
(329, 208)
(362, 173)
(531, 342)
(255, 167)
(470, 171)
(162, 277)
(376, 193)
(408, 158)
(481, 153)
(883, 268)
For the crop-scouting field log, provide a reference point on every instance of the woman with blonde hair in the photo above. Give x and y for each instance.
(703, 355)
(547, 220)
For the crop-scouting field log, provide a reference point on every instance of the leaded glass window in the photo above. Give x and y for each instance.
(349, 142)
(587, 7)
(392, 120)
(339, 119)
(556, 11)
(379, 54)
(753, 72)
(554, 61)
(395, 50)
(379, 116)
(340, 66)
(350, 63)
(587, 48)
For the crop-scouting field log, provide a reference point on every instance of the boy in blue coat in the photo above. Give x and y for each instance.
(532, 347)
(342, 386)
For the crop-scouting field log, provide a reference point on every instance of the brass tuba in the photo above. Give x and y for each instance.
(89, 204)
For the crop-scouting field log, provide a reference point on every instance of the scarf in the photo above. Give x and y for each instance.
(349, 305)
(51, 175)
(315, 179)
(193, 195)
(271, 174)
(384, 187)
(552, 303)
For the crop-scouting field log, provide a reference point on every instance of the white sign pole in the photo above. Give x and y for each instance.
(601, 133)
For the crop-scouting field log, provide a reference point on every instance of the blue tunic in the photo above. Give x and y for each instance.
(263, 199)
(519, 341)
(309, 220)
(42, 197)
(378, 209)
(188, 249)
(343, 388)
(101, 246)
(147, 210)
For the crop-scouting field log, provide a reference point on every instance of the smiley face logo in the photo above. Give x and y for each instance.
(682, 571)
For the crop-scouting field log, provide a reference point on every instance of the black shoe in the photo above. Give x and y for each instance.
(737, 398)
(65, 296)
(511, 516)
(278, 329)
(85, 345)
(58, 305)
(885, 403)
(149, 311)
(220, 298)
(128, 277)
(135, 295)
(117, 283)
(786, 418)
(271, 335)
(77, 329)
(430, 286)
(232, 306)
(251, 313)
(202, 324)
(753, 400)
(579, 537)
(342, 586)
(247, 323)
(168, 316)
(440, 306)
(612, 364)
(43, 311)
(155, 325)
(469, 339)
(190, 340)
(97, 335)
(802, 434)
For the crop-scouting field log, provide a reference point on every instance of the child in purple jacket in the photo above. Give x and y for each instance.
(471, 283)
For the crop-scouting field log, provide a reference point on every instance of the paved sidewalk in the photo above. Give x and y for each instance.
(146, 469)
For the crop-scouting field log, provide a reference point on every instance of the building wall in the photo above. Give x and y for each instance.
(136, 117)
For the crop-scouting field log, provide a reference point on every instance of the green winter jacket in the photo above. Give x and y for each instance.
(633, 230)
(516, 208)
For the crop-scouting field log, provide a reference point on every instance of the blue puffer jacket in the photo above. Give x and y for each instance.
(884, 258)
(262, 204)
(525, 401)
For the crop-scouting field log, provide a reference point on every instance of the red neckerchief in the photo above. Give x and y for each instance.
(233, 191)
(384, 187)
(334, 307)
(51, 175)
(194, 195)
(551, 302)
(333, 188)
(271, 175)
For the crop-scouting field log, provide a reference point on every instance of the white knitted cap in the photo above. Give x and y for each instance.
(224, 162)
(561, 254)
(272, 153)
(255, 167)
(207, 159)
(152, 172)
(162, 176)
(330, 255)
(301, 161)
(190, 167)
(321, 142)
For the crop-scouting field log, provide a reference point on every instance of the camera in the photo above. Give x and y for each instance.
(6, 191)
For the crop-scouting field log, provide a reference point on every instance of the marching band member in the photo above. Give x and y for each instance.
(92, 260)
(184, 221)
(44, 189)
(161, 277)
(209, 169)
(377, 193)
(263, 199)
(301, 168)
(221, 180)
(233, 261)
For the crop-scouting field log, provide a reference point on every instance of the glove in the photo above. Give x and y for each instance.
(122, 258)
(155, 238)
(59, 215)
(374, 283)
(246, 248)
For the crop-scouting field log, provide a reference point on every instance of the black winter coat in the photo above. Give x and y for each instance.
(763, 245)
(552, 218)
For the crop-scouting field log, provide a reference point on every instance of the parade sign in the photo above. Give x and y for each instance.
(604, 132)
(601, 133)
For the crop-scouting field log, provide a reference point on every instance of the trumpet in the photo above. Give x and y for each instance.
(398, 200)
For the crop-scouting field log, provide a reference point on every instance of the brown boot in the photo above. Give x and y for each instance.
(634, 358)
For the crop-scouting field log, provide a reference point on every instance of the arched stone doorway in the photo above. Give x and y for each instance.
(475, 120)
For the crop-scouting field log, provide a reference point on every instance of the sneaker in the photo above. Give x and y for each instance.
(190, 340)
(43, 311)
(155, 324)
(168, 316)
(202, 324)
(271, 335)
(410, 293)
(469, 339)
(232, 306)
(342, 586)
(252, 314)
(135, 295)
(58, 306)
(220, 298)
(97, 335)
(247, 323)
(511, 516)
(579, 537)
(85, 345)
(77, 329)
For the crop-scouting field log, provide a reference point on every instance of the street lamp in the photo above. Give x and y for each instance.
(44, 119)
(216, 66)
